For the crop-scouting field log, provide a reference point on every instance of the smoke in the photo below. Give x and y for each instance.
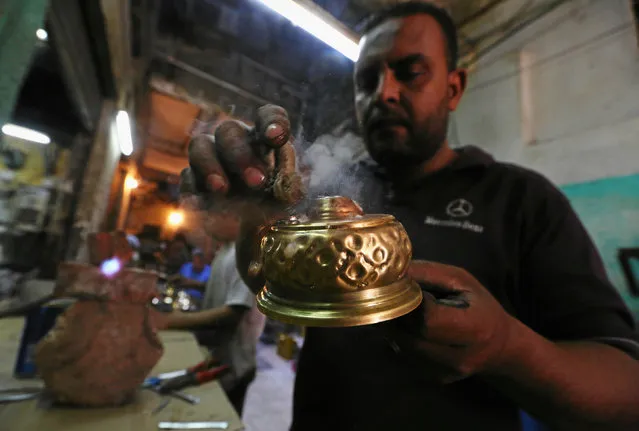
(331, 161)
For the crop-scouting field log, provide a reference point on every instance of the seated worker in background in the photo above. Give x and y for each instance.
(194, 275)
(230, 323)
(175, 255)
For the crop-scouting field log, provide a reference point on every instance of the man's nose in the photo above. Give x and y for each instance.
(388, 88)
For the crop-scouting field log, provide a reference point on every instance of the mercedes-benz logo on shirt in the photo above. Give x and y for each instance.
(459, 208)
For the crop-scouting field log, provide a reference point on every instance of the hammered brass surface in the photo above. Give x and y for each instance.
(339, 268)
(336, 260)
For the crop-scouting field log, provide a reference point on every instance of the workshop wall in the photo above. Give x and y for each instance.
(561, 98)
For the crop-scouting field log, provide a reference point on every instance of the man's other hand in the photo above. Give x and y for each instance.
(460, 330)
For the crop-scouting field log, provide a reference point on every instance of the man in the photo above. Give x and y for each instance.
(175, 255)
(518, 313)
(194, 274)
(229, 324)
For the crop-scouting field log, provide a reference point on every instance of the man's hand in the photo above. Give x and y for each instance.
(254, 166)
(244, 162)
(461, 329)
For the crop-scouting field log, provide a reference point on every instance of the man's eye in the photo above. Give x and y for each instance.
(409, 73)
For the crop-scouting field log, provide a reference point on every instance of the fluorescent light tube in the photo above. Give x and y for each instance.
(123, 125)
(313, 24)
(42, 34)
(26, 134)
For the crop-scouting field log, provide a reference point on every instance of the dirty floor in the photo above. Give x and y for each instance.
(269, 399)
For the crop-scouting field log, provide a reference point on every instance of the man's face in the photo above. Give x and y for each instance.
(404, 90)
(198, 262)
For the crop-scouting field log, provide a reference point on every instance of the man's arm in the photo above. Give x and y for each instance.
(571, 360)
(188, 282)
(215, 317)
(567, 356)
(570, 385)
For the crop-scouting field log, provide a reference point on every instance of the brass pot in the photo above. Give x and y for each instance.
(337, 268)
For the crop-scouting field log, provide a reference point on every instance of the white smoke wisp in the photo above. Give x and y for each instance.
(330, 155)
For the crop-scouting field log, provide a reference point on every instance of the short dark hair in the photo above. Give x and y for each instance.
(411, 8)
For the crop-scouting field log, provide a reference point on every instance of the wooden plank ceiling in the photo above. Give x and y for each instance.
(168, 129)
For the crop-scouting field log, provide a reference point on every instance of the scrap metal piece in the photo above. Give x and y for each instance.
(16, 395)
(193, 425)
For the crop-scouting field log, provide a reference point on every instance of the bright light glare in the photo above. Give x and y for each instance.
(131, 183)
(26, 134)
(42, 34)
(123, 125)
(111, 267)
(176, 218)
(316, 26)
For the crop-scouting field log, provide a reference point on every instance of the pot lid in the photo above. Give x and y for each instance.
(333, 212)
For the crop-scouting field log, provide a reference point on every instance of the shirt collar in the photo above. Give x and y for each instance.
(471, 157)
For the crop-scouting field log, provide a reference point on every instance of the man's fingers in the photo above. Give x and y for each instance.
(433, 322)
(207, 170)
(233, 141)
(239, 155)
(441, 278)
(288, 186)
(187, 183)
(273, 126)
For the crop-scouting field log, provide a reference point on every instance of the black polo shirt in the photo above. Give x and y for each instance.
(517, 234)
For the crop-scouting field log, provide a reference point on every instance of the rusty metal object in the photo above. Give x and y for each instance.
(338, 268)
(104, 345)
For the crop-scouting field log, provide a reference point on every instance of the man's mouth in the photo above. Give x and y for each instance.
(386, 125)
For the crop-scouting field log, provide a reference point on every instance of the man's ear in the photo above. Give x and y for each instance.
(457, 80)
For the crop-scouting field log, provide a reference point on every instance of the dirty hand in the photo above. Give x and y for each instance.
(460, 330)
(242, 161)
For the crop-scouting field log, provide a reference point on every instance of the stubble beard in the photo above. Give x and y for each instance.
(421, 144)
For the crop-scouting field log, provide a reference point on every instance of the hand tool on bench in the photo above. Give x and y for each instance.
(194, 378)
(193, 425)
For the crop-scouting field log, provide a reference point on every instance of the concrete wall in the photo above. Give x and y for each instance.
(562, 98)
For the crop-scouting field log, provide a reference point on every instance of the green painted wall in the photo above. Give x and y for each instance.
(609, 209)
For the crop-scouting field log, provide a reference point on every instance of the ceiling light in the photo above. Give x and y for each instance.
(123, 124)
(176, 218)
(131, 183)
(26, 134)
(313, 24)
(42, 34)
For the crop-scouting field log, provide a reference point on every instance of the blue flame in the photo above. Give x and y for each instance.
(110, 267)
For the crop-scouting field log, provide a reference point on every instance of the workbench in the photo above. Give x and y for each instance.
(180, 351)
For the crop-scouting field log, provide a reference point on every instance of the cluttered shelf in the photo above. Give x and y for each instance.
(180, 352)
